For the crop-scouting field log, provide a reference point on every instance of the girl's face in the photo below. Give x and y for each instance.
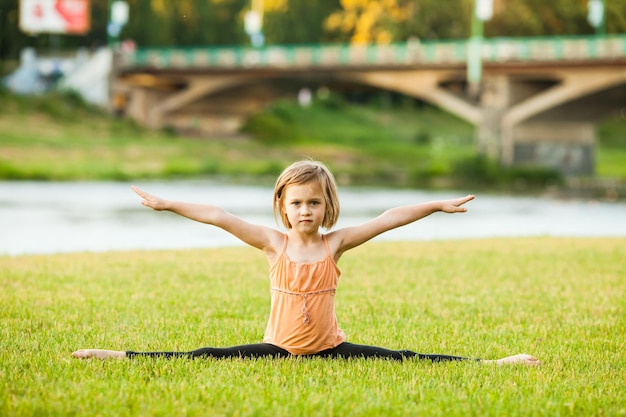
(305, 206)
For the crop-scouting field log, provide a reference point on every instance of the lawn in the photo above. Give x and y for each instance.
(561, 299)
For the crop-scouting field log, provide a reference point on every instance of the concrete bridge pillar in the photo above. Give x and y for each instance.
(494, 102)
(535, 132)
(138, 103)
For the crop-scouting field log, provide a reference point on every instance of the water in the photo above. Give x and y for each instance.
(44, 217)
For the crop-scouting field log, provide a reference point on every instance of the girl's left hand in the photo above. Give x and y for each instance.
(455, 205)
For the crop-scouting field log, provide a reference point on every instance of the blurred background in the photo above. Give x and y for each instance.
(507, 97)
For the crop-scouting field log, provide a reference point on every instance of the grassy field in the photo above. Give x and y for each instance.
(563, 300)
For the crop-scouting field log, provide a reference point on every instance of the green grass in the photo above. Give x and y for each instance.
(611, 162)
(611, 149)
(561, 299)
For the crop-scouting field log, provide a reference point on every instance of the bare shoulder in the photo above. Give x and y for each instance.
(336, 243)
(276, 243)
(261, 237)
(342, 240)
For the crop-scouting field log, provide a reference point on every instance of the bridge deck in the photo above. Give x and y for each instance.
(412, 53)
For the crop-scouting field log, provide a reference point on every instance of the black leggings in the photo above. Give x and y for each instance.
(259, 350)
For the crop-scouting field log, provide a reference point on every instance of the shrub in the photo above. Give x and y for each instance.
(269, 128)
(481, 171)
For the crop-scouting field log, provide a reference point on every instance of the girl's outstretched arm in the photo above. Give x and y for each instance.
(260, 237)
(351, 237)
(199, 212)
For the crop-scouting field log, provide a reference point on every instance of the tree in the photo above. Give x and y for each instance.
(370, 21)
(538, 18)
(439, 19)
(296, 21)
(185, 22)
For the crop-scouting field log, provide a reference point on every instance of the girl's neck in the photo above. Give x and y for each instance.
(305, 248)
(304, 239)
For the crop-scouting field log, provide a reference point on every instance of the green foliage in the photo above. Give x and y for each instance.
(559, 299)
(302, 22)
(482, 172)
(479, 170)
(331, 101)
(533, 177)
(540, 18)
(186, 22)
(610, 162)
(274, 126)
(66, 105)
(422, 138)
(537, 18)
(432, 20)
(384, 135)
(611, 132)
(10, 170)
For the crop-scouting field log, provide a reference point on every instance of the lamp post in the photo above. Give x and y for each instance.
(596, 16)
(483, 10)
(253, 24)
(117, 18)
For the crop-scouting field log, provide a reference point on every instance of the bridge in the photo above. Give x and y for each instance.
(538, 101)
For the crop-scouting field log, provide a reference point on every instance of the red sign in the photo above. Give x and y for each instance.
(55, 16)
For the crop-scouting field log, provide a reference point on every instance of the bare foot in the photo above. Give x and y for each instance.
(99, 354)
(522, 359)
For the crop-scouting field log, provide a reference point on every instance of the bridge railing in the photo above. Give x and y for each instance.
(411, 53)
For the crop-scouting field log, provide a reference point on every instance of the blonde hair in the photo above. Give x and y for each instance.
(304, 172)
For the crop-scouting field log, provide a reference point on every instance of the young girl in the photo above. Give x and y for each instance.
(303, 268)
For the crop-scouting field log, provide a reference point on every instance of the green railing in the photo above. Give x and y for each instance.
(541, 49)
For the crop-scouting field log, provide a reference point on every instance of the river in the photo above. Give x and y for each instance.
(50, 217)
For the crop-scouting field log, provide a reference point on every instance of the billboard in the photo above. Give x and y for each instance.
(55, 16)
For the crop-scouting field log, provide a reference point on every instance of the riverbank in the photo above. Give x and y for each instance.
(391, 144)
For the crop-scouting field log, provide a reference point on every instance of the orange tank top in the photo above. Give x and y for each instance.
(302, 318)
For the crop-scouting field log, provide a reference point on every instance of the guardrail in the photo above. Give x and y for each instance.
(540, 49)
